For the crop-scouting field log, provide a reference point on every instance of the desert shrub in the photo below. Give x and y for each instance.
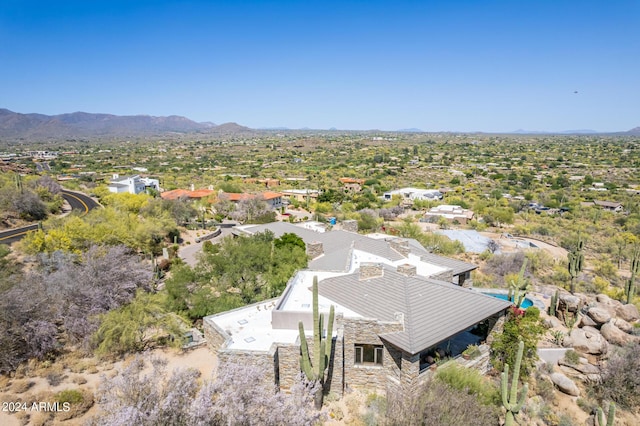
(471, 381)
(79, 402)
(501, 265)
(620, 378)
(54, 378)
(565, 420)
(21, 386)
(572, 357)
(72, 396)
(437, 403)
(70, 293)
(545, 388)
(239, 396)
(79, 380)
(587, 405)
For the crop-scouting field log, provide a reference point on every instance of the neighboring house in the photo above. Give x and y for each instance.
(411, 194)
(300, 195)
(273, 199)
(266, 182)
(132, 184)
(397, 312)
(351, 185)
(609, 205)
(183, 193)
(451, 213)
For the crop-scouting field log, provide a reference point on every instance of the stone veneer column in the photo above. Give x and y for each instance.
(314, 249)
(370, 270)
(407, 270)
(401, 246)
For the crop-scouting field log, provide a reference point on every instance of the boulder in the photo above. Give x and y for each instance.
(628, 312)
(565, 384)
(585, 321)
(568, 302)
(582, 367)
(553, 322)
(587, 340)
(622, 325)
(599, 315)
(614, 335)
(568, 305)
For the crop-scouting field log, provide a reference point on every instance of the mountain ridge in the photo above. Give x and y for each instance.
(85, 124)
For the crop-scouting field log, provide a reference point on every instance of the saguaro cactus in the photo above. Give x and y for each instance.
(518, 288)
(322, 346)
(610, 416)
(510, 400)
(576, 263)
(630, 286)
(553, 305)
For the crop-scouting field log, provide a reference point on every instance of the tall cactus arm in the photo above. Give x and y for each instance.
(305, 360)
(510, 399)
(332, 314)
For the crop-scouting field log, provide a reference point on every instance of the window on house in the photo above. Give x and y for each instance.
(368, 354)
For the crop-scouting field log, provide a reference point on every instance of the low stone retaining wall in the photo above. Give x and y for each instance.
(209, 236)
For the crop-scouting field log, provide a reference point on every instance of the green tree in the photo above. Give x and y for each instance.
(141, 324)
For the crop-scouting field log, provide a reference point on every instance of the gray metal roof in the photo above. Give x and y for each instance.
(433, 310)
(338, 247)
(458, 266)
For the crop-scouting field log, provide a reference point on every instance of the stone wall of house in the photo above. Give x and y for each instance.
(266, 361)
(496, 326)
(366, 331)
(215, 336)
(289, 364)
(444, 276)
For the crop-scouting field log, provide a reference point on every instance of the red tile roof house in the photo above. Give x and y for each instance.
(398, 309)
(180, 193)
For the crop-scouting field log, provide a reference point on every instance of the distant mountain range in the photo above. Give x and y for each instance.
(15, 125)
(81, 124)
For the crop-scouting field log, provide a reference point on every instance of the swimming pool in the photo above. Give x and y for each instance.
(527, 302)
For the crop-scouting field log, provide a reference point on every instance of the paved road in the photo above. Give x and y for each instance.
(13, 235)
(77, 201)
(190, 253)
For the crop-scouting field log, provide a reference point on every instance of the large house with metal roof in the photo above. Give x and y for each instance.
(398, 309)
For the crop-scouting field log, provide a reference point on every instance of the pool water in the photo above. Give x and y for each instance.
(527, 302)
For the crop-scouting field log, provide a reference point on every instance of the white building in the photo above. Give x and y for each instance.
(414, 194)
(132, 184)
(451, 213)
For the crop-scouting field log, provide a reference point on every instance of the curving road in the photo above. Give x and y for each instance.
(77, 201)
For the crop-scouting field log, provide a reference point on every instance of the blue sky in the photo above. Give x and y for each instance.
(434, 65)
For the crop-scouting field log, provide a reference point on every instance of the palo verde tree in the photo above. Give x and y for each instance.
(315, 371)
(576, 263)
